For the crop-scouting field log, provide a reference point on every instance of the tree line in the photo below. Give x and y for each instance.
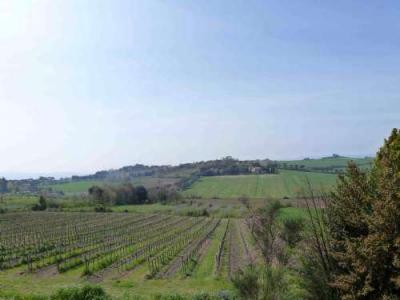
(118, 194)
(127, 193)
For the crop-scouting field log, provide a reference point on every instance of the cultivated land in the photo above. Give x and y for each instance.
(189, 245)
(288, 184)
(285, 184)
(331, 163)
(127, 254)
(82, 186)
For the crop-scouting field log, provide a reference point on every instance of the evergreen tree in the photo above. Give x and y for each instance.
(364, 223)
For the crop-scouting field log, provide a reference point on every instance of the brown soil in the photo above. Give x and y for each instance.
(48, 271)
(234, 250)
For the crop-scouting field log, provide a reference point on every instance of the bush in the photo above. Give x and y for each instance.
(42, 205)
(292, 229)
(198, 213)
(170, 297)
(274, 285)
(19, 297)
(86, 293)
(100, 209)
(247, 283)
(261, 283)
(53, 204)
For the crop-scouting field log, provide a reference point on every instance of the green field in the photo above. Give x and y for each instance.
(75, 186)
(82, 186)
(285, 184)
(334, 163)
(293, 213)
(14, 203)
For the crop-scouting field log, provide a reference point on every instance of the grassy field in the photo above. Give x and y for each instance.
(220, 208)
(15, 203)
(293, 213)
(77, 187)
(335, 163)
(285, 184)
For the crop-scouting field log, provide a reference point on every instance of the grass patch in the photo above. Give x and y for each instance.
(75, 186)
(286, 213)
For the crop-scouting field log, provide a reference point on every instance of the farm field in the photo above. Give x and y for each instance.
(74, 186)
(285, 184)
(127, 254)
(82, 186)
(220, 208)
(334, 163)
(17, 203)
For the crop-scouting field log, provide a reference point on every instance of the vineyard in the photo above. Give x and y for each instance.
(110, 247)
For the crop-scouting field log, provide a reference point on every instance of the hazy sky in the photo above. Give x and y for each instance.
(89, 85)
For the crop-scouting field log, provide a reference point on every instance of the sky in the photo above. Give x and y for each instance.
(92, 85)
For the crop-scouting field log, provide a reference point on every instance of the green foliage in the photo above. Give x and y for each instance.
(292, 229)
(42, 205)
(247, 282)
(86, 293)
(267, 283)
(315, 278)
(222, 295)
(170, 297)
(120, 195)
(266, 229)
(13, 296)
(365, 227)
(163, 195)
(197, 213)
(274, 285)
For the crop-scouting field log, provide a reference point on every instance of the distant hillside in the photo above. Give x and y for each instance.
(331, 164)
(224, 166)
(82, 186)
(182, 176)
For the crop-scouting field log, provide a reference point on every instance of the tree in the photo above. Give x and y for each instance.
(266, 229)
(141, 194)
(364, 224)
(42, 205)
(102, 196)
(125, 194)
(3, 185)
